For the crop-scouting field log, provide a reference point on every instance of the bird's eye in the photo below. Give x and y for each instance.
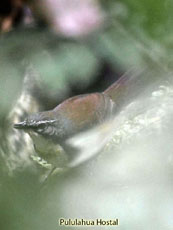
(49, 130)
(40, 128)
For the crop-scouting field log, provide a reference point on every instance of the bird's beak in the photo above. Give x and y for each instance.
(21, 125)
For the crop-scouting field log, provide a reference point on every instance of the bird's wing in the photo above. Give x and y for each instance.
(90, 143)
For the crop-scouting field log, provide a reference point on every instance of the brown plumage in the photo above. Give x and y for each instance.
(49, 130)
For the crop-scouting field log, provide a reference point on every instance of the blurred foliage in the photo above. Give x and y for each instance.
(135, 34)
(146, 26)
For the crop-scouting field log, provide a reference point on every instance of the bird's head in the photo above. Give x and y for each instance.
(42, 123)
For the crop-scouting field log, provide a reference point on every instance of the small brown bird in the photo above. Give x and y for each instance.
(49, 130)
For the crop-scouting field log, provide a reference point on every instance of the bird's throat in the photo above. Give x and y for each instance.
(48, 150)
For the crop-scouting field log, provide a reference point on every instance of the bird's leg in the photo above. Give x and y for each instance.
(48, 175)
(52, 171)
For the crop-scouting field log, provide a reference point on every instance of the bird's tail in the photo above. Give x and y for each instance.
(129, 86)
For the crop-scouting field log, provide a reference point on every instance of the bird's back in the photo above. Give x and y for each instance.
(84, 111)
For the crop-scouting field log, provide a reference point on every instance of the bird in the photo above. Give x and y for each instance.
(49, 130)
